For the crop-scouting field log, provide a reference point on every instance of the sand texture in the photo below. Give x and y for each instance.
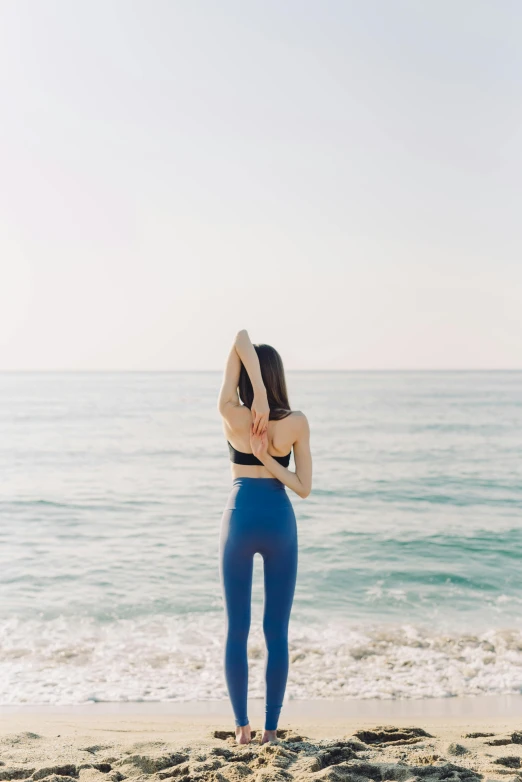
(61, 749)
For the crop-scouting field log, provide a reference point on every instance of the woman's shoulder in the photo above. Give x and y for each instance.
(288, 430)
(295, 417)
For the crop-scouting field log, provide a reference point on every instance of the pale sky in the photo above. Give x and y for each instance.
(342, 178)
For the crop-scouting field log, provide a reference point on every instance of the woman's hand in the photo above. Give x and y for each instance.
(260, 412)
(258, 443)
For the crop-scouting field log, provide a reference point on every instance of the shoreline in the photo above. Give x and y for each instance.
(452, 708)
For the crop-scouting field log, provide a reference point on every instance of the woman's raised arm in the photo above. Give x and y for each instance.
(243, 351)
(247, 353)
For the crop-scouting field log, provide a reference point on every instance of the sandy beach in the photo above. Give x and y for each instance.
(460, 739)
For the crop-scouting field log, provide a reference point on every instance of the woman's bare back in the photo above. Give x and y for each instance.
(282, 435)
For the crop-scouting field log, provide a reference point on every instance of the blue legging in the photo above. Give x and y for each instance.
(258, 518)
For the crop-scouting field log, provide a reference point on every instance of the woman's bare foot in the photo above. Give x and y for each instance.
(269, 735)
(243, 734)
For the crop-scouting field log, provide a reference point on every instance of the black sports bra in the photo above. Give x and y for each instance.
(240, 457)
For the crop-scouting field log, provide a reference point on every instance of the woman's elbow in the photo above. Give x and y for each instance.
(304, 493)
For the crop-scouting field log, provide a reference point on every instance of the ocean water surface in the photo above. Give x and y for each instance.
(410, 545)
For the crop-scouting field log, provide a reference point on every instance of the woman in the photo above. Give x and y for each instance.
(261, 431)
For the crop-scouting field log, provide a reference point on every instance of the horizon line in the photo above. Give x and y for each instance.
(187, 371)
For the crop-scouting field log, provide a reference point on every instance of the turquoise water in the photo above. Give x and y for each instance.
(410, 544)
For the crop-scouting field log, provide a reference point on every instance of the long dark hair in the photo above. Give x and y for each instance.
(273, 374)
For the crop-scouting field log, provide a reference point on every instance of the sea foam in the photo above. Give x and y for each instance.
(165, 658)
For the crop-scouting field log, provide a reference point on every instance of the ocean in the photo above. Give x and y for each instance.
(410, 544)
